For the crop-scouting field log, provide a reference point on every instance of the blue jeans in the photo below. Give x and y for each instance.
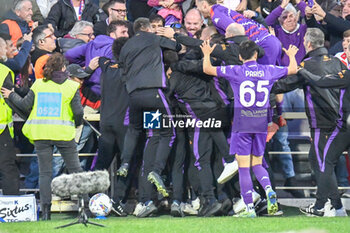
(280, 143)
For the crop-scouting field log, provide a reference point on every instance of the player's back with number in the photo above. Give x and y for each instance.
(251, 83)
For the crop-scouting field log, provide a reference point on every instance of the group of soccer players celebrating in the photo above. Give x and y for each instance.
(231, 80)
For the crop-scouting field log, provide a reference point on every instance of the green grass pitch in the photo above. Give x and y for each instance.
(291, 222)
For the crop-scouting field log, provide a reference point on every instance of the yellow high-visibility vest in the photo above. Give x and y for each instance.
(5, 110)
(51, 117)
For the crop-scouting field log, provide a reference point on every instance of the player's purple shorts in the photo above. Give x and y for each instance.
(248, 143)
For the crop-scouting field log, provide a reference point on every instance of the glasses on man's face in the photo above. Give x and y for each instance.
(176, 25)
(119, 11)
(87, 34)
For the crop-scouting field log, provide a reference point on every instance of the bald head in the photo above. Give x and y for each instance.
(207, 32)
(193, 21)
(234, 29)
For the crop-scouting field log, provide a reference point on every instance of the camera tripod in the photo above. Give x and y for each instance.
(82, 217)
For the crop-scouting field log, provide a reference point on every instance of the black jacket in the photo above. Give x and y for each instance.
(141, 59)
(194, 96)
(114, 98)
(65, 44)
(321, 105)
(62, 16)
(341, 81)
(36, 54)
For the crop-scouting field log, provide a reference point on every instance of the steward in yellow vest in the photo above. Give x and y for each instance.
(55, 110)
(8, 167)
(51, 117)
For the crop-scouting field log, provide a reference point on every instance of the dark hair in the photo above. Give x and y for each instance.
(112, 27)
(5, 36)
(38, 34)
(169, 57)
(141, 24)
(55, 63)
(198, 33)
(117, 45)
(108, 4)
(247, 49)
(24, 80)
(156, 18)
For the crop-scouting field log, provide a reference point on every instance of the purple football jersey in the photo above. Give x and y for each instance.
(251, 84)
(222, 17)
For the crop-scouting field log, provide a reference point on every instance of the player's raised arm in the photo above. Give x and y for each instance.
(293, 65)
(208, 68)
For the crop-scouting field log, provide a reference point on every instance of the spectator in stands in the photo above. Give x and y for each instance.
(81, 33)
(116, 10)
(343, 56)
(193, 21)
(16, 59)
(18, 21)
(47, 133)
(64, 14)
(289, 31)
(101, 46)
(8, 168)
(334, 26)
(170, 10)
(45, 43)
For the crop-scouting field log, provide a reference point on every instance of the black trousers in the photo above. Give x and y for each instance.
(177, 164)
(146, 189)
(111, 144)
(201, 144)
(8, 168)
(326, 148)
(141, 101)
(69, 153)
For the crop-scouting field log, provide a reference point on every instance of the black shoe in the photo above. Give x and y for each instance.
(290, 182)
(118, 209)
(46, 212)
(226, 206)
(123, 170)
(147, 210)
(175, 210)
(210, 208)
(312, 211)
(261, 207)
(155, 179)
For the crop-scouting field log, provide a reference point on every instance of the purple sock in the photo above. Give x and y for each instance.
(262, 175)
(246, 184)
